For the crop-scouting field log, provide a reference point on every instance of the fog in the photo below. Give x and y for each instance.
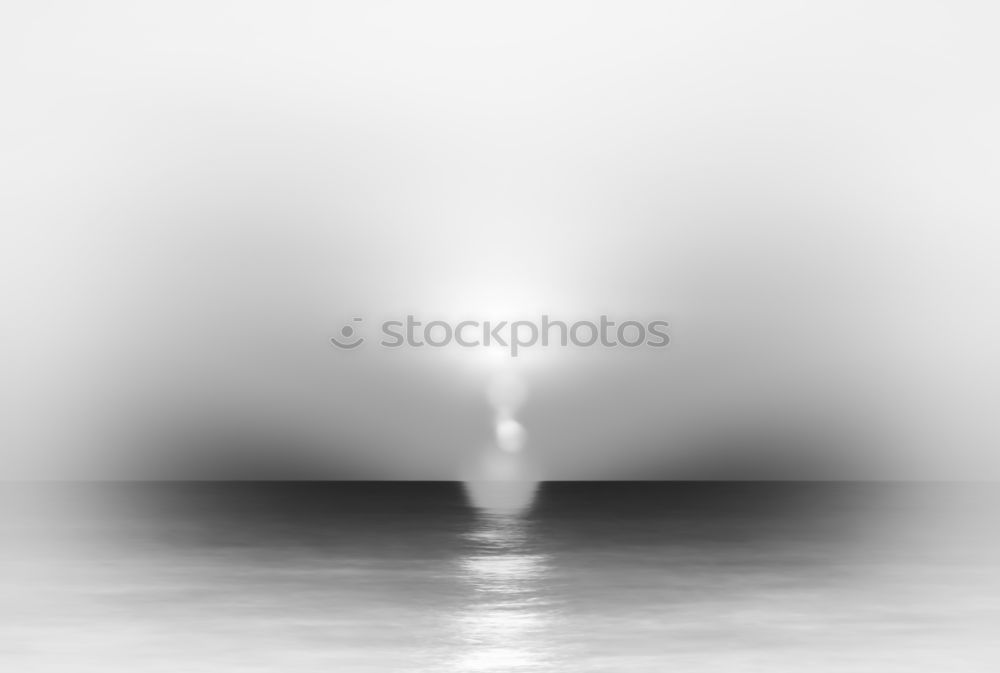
(198, 196)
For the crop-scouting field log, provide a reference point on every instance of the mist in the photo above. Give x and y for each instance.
(198, 196)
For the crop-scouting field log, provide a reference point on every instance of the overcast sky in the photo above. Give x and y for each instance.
(197, 195)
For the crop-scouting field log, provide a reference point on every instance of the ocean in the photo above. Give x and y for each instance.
(452, 577)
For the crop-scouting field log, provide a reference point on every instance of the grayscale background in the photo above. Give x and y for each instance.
(196, 196)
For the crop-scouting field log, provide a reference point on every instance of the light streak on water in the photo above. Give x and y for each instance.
(505, 624)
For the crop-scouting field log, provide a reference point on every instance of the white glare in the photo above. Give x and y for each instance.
(510, 435)
(501, 497)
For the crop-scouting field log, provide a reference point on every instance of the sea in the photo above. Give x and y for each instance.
(630, 577)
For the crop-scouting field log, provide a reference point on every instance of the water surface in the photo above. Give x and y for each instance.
(438, 577)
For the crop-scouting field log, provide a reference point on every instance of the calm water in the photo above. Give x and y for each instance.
(448, 577)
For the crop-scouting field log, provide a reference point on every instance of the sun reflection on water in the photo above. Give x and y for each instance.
(504, 623)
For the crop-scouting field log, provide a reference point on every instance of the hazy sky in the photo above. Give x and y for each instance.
(197, 195)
